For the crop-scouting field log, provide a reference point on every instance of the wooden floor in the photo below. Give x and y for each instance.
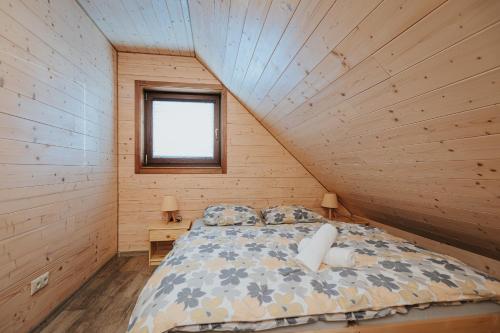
(105, 302)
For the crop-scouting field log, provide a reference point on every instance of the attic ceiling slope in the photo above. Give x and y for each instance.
(152, 26)
(392, 104)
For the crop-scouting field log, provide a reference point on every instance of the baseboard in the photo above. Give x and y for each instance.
(132, 253)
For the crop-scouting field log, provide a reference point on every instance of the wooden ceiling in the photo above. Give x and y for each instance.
(393, 104)
(146, 26)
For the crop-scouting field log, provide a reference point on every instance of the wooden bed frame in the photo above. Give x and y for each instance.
(488, 323)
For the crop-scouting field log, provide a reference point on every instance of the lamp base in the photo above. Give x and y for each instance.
(169, 216)
(330, 211)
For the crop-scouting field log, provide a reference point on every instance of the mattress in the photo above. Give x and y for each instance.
(245, 278)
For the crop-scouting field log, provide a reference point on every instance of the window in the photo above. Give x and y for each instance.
(182, 131)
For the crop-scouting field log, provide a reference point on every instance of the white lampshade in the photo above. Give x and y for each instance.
(330, 201)
(169, 204)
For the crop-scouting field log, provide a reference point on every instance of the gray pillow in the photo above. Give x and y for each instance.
(230, 214)
(290, 214)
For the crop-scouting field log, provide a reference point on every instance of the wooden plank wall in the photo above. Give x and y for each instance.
(58, 155)
(410, 136)
(260, 171)
(393, 104)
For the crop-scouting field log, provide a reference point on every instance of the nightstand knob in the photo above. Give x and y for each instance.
(167, 236)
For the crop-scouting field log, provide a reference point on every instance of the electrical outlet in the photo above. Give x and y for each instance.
(39, 283)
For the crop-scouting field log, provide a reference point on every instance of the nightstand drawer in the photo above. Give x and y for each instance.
(165, 235)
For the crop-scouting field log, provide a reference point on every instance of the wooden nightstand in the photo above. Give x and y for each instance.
(161, 236)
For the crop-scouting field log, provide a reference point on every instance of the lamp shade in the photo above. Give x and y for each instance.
(169, 204)
(330, 201)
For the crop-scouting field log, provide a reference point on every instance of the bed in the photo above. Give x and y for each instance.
(245, 278)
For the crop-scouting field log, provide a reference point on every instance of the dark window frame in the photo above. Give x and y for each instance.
(152, 96)
(141, 165)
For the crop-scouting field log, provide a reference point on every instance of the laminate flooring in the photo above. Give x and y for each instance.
(104, 303)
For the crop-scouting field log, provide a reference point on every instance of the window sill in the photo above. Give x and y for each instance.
(180, 170)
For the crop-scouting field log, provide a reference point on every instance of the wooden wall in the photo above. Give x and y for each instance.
(58, 160)
(391, 103)
(260, 171)
(410, 136)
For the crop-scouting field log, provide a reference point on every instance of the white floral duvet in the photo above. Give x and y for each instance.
(245, 278)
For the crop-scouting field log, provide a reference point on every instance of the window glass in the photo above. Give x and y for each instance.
(182, 129)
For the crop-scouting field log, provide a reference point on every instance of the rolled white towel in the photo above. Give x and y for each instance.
(303, 243)
(313, 253)
(336, 256)
(339, 257)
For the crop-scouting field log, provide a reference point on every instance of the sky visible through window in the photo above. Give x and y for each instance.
(183, 129)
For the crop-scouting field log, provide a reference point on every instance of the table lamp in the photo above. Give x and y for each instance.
(330, 201)
(169, 207)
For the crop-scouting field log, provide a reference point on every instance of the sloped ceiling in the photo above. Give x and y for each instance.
(392, 104)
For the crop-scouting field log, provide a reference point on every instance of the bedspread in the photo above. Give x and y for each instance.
(247, 278)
